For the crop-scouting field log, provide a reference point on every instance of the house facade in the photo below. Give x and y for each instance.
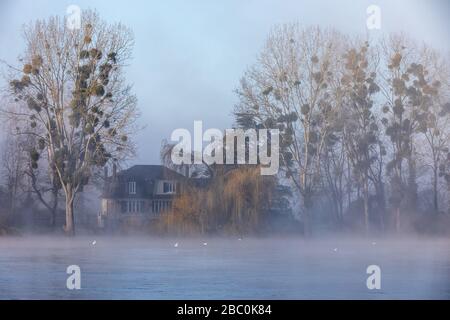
(137, 195)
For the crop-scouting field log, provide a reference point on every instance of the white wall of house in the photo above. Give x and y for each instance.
(146, 208)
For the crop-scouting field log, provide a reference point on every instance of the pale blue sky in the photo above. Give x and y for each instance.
(189, 55)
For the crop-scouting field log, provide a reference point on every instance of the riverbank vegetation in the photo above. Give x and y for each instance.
(364, 133)
(364, 125)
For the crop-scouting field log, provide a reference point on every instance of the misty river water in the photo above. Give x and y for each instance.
(232, 268)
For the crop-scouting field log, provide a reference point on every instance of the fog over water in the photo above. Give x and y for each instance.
(231, 268)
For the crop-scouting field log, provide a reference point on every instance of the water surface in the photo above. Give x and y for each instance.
(148, 268)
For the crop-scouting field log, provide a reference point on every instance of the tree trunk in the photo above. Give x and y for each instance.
(435, 190)
(412, 186)
(341, 212)
(366, 206)
(397, 219)
(69, 228)
(307, 215)
(448, 197)
(381, 200)
(54, 209)
(307, 223)
(306, 205)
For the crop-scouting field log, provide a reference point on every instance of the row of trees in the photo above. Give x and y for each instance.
(364, 125)
(68, 105)
(359, 121)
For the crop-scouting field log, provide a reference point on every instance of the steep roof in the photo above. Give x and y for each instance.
(150, 172)
(145, 177)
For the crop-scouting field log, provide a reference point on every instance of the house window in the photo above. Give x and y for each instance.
(168, 187)
(161, 206)
(155, 206)
(133, 206)
(132, 187)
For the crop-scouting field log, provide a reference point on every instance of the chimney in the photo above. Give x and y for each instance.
(114, 170)
(105, 172)
(186, 170)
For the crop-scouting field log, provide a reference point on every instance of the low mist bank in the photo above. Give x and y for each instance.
(413, 225)
(224, 268)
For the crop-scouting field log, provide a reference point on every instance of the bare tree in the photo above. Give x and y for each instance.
(46, 186)
(14, 163)
(361, 129)
(292, 88)
(335, 177)
(436, 129)
(72, 92)
(408, 95)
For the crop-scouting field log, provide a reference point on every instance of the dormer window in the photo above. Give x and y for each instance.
(132, 187)
(168, 187)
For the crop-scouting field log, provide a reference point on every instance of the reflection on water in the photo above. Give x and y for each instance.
(145, 268)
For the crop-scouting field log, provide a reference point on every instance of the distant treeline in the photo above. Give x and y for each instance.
(365, 125)
(365, 136)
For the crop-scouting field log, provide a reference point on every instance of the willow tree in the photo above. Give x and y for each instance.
(292, 88)
(235, 201)
(230, 198)
(71, 90)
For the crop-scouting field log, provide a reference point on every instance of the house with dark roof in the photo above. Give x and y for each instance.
(138, 195)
